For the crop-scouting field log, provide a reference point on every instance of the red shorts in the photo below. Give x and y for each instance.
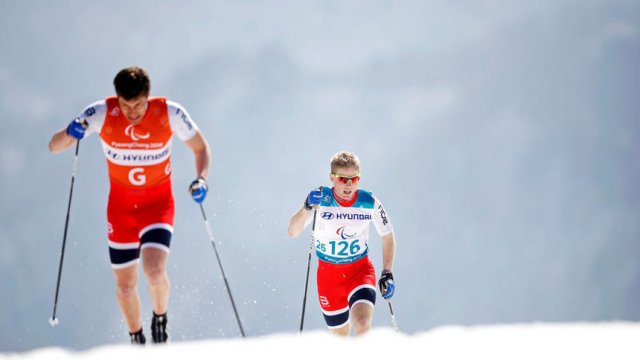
(341, 286)
(132, 213)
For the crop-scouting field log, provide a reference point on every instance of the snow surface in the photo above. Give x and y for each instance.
(611, 340)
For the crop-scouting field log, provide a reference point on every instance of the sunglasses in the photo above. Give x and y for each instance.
(345, 179)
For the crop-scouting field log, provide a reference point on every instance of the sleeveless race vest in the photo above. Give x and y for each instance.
(137, 155)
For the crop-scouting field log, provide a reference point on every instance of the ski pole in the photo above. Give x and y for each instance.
(393, 317)
(53, 320)
(226, 283)
(306, 284)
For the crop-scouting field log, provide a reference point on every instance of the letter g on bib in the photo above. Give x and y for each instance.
(137, 177)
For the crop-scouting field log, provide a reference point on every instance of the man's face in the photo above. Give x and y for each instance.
(133, 109)
(345, 182)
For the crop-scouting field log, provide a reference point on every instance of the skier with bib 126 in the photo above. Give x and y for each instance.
(346, 277)
(136, 133)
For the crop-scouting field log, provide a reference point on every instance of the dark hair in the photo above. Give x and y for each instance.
(132, 82)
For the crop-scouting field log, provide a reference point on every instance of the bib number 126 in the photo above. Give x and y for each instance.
(341, 248)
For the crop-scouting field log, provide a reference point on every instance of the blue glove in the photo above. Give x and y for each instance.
(77, 128)
(198, 189)
(387, 287)
(314, 198)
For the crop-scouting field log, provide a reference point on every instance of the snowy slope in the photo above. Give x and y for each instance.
(616, 340)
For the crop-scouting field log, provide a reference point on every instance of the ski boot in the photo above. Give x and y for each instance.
(159, 328)
(137, 338)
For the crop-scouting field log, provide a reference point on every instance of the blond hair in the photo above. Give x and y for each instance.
(344, 159)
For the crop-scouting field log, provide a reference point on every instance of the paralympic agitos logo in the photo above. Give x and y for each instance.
(345, 232)
(130, 131)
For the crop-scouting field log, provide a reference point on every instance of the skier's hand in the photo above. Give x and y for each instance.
(387, 287)
(314, 198)
(77, 128)
(198, 189)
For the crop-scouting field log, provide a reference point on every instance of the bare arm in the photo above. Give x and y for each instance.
(198, 144)
(388, 251)
(296, 224)
(61, 141)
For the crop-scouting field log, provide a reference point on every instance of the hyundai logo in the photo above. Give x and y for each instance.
(327, 215)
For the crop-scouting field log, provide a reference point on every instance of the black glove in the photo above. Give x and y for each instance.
(387, 287)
